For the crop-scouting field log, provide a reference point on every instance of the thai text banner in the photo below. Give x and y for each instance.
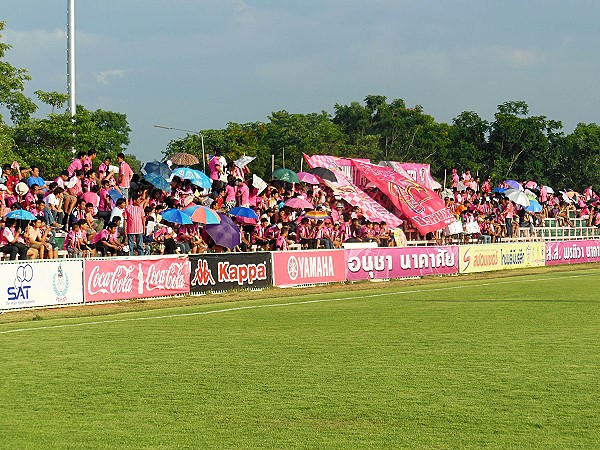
(381, 263)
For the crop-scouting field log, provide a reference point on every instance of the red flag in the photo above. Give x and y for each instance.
(423, 207)
(344, 187)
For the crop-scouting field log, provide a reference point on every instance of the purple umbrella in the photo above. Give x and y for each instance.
(514, 185)
(225, 234)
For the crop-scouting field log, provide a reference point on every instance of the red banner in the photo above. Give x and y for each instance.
(308, 267)
(372, 210)
(423, 207)
(122, 279)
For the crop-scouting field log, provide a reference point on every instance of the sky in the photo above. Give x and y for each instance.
(199, 64)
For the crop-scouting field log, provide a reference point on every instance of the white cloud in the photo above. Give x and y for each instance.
(105, 76)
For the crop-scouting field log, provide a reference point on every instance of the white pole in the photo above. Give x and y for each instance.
(203, 157)
(71, 56)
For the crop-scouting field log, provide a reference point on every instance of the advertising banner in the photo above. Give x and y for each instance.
(226, 271)
(28, 284)
(378, 263)
(424, 207)
(485, 258)
(572, 252)
(308, 267)
(122, 279)
(344, 187)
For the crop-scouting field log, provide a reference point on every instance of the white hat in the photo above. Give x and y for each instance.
(21, 188)
(3, 187)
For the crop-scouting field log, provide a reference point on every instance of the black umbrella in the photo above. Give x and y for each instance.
(323, 173)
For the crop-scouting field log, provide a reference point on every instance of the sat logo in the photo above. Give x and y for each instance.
(21, 286)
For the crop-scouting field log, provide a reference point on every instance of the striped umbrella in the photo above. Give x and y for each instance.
(202, 214)
(317, 215)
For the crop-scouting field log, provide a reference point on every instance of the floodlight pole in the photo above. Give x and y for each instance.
(193, 132)
(71, 56)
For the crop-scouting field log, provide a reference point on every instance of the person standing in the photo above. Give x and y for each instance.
(135, 224)
(125, 175)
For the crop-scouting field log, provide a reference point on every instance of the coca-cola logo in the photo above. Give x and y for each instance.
(168, 278)
(123, 280)
(117, 281)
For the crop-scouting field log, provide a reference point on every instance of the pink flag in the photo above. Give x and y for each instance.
(423, 207)
(372, 210)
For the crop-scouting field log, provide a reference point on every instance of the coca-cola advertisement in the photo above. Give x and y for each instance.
(121, 279)
(296, 268)
(227, 271)
(381, 263)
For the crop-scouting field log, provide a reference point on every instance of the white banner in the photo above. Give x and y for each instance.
(29, 284)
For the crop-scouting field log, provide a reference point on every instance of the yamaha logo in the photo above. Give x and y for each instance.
(293, 267)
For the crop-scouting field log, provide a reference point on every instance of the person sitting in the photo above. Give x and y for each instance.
(9, 241)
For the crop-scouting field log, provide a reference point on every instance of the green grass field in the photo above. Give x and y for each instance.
(466, 362)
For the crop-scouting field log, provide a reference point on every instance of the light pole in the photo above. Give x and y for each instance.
(193, 132)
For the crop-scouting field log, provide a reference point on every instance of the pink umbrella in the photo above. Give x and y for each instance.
(531, 185)
(308, 178)
(300, 203)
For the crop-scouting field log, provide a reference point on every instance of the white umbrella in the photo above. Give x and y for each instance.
(244, 161)
(520, 198)
(549, 190)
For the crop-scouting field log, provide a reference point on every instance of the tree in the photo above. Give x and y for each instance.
(520, 146)
(580, 162)
(468, 142)
(12, 86)
(55, 99)
(47, 142)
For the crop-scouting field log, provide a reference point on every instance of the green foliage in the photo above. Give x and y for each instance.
(12, 85)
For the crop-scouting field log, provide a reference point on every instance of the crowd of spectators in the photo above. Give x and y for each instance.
(107, 210)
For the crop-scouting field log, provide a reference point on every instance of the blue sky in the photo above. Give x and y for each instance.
(198, 64)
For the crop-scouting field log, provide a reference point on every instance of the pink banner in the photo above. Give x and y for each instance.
(122, 279)
(308, 267)
(423, 207)
(344, 187)
(572, 252)
(378, 263)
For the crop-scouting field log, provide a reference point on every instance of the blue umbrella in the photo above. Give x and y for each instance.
(158, 181)
(159, 168)
(176, 216)
(20, 214)
(242, 211)
(115, 195)
(534, 207)
(195, 176)
(499, 190)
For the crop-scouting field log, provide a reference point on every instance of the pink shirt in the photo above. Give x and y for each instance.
(212, 167)
(134, 215)
(125, 174)
(76, 164)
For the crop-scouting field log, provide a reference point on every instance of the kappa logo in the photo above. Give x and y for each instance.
(203, 275)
